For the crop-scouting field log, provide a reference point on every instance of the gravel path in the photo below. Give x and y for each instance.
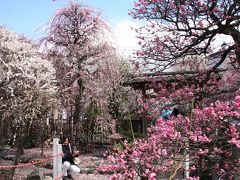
(88, 165)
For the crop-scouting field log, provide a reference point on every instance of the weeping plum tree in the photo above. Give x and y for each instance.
(203, 140)
(75, 36)
(100, 85)
(77, 41)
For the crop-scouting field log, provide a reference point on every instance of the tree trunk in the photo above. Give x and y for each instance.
(77, 110)
(87, 141)
(1, 133)
(42, 143)
(19, 151)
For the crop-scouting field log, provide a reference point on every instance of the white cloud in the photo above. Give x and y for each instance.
(220, 40)
(125, 37)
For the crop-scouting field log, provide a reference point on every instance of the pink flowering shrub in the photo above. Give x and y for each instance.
(179, 36)
(210, 137)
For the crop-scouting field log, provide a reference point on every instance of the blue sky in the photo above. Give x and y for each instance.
(30, 17)
(26, 16)
(115, 10)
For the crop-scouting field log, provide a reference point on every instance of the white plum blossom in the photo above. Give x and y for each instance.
(26, 80)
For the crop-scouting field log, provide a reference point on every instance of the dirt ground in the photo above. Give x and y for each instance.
(88, 165)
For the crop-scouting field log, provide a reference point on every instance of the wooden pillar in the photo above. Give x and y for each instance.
(57, 160)
(144, 128)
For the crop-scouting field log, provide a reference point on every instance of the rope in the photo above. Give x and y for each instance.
(30, 164)
(59, 177)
